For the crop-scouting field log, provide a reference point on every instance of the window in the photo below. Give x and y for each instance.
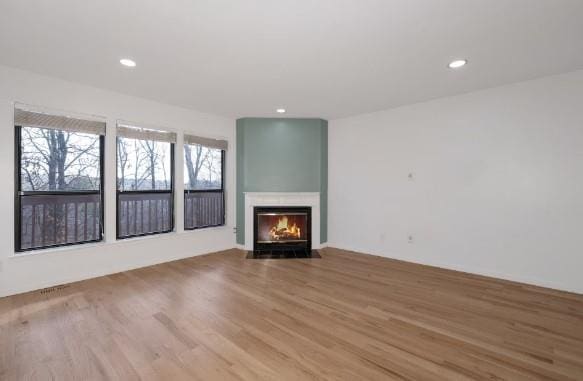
(204, 196)
(58, 179)
(145, 188)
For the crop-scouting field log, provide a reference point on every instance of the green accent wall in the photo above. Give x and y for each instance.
(282, 155)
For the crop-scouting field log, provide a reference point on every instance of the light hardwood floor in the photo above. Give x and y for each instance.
(345, 316)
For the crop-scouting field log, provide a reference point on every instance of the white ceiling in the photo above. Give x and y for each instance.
(325, 58)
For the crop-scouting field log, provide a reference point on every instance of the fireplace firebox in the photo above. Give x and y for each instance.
(282, 231)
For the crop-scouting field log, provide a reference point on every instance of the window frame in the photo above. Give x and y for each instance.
(19, 193)
(221, 190)
(153, 191)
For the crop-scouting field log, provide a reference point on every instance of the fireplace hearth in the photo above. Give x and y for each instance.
(282, 232)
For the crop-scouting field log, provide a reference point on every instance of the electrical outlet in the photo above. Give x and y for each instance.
(410, 239)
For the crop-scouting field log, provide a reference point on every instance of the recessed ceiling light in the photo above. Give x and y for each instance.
(127, 62)
(457, 64)
(280, 110)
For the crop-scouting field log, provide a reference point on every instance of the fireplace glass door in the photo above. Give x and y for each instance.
(281, 227)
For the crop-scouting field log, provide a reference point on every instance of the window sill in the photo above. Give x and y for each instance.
(210, 228)
(104, 243)
(61, 249)
(144, 237)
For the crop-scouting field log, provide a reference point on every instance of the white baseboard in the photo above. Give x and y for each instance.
(556, 285)
(36, 285)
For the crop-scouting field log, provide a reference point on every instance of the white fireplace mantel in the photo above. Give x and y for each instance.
(310, 199)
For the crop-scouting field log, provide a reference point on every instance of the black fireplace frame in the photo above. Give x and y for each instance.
(278, 246)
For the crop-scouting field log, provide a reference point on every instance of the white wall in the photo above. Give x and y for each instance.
(24, 272)
(497, 184)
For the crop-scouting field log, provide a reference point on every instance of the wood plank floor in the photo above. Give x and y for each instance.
(345, 316)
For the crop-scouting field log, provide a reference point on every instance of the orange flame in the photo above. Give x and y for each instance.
(283, 231)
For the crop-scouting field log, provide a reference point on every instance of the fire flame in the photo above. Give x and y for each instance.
(283, 231)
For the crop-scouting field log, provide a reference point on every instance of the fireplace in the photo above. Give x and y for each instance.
(282, 231)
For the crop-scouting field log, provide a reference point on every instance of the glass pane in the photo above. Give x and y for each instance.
(59, 219)
(282, 227)
(143, 165)
(54, 160)
(202, 167)
(202, 209)
(144, 213)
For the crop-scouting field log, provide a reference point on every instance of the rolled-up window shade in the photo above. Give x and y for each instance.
(207, 142)
(25, 118)
(135, 132)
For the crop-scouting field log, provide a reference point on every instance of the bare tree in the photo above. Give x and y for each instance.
(162, 157)
(142, 164)
(58, 160)
(193, 167)
(213, 166)
(152, 154)
(122, 162)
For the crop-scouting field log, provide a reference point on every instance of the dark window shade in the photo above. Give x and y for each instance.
(144, 213)
(54, 220)
(204, 209)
